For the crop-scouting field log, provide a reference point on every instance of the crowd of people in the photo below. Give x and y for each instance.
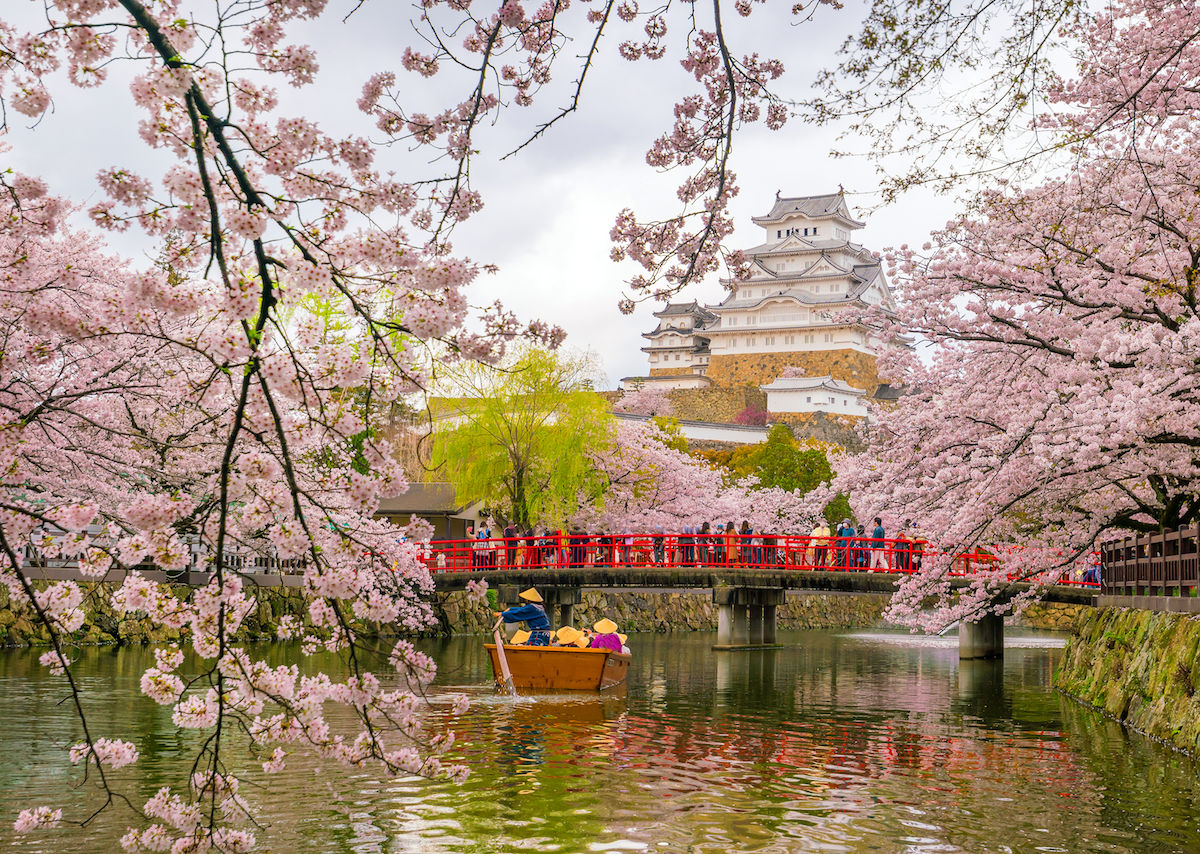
(531, 612)
(844, 546)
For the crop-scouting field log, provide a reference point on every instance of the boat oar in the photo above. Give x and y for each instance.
(504, 671)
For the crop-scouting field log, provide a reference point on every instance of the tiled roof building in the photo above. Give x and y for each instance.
(799, 307)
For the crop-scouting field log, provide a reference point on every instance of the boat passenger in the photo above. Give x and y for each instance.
(606, 636)
(566, 636)
(585, 639)
(530, 612)
(624, 644)
(519, 638)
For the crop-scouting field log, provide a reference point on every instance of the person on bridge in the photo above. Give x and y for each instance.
(606, 635)
(532, 614)
(820, 543)
(879, 555)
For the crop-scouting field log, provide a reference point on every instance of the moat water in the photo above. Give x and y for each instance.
(838, 742)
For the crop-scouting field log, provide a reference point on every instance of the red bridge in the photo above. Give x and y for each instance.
(578, 551)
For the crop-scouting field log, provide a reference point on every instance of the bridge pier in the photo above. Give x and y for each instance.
(983, 638)
(746, 616)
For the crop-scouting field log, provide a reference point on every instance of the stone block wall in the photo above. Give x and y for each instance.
(755, 369)
(718, 405)
(1141, 668)
(839, 429)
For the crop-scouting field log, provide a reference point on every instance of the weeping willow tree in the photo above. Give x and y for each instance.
(517, 436)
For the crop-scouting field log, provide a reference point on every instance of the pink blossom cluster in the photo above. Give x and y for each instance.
(111, 753)
(649, 400)
(650, 485)
(1056, 403)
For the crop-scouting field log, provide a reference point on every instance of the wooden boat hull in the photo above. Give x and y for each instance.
(560, 668)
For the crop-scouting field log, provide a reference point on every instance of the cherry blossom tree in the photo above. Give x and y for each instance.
(221, 404)
(648, 400)
(646, 484)
(1059, 399)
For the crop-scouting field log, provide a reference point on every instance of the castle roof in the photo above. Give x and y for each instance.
(682, 309)
(811, 384)
(828, 206)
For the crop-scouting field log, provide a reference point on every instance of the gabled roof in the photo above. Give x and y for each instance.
(823, 258)
(811, 384)
(682, 309)
(425, 498)
(828, 206)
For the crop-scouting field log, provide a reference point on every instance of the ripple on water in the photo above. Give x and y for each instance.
(868, 741)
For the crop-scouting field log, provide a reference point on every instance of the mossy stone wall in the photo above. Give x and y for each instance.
(1140, 667)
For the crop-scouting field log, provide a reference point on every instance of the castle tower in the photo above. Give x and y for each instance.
(677, 348)
(808, 279)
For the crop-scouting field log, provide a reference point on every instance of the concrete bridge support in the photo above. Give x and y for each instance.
(983, 638)
(746, 616)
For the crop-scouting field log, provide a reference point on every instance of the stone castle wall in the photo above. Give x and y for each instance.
(838, 429)
(719, 405)
(755, 369)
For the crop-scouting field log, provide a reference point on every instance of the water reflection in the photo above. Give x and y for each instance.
(850, 743)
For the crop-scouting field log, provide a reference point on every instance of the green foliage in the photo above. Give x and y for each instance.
(672, 436)
(517, 437)
(838, 509)
(781, 462)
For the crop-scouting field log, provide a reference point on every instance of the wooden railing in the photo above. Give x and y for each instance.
(1164, 564)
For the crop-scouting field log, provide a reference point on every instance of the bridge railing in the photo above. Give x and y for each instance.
(838, 554)
(1165, 563)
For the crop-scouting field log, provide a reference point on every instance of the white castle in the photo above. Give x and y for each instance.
(796, 308)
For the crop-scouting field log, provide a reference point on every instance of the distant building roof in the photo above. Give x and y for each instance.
(677, 309)
(810, 384)
(424, 498)
(886, 391)
(824, 206)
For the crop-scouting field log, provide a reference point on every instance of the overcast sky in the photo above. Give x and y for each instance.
(548, 210)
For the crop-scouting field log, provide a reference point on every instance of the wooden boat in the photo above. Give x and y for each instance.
(561, 668)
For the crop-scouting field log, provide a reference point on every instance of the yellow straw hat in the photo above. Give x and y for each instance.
(531, 594)
(567, 635)
(605, 626)
(622, 637)
(519, 637)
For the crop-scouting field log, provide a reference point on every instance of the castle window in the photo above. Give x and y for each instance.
(806, 232)
(808, 399)
(778, 233)
(831, 398)
(814, 231)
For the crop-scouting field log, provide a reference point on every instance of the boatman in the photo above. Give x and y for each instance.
(530, 612)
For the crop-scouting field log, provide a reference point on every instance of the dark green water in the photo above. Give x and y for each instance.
(848, 743)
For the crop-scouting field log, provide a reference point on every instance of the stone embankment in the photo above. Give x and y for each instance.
(458, 613)
(1139, 667)
(676, 611)
(19, 627)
